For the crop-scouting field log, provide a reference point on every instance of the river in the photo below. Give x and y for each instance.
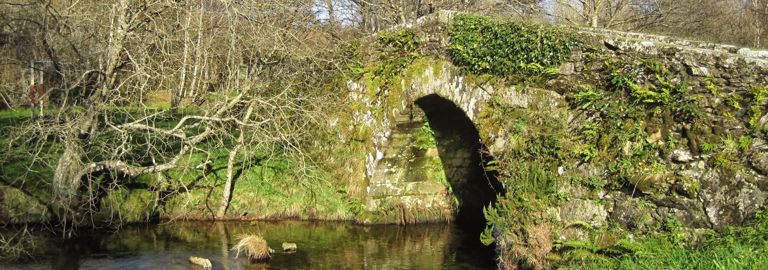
(321, 245)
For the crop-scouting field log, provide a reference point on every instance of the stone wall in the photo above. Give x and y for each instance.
(697, 193)
(694, 190)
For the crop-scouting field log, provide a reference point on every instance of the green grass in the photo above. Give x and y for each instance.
(266, 188)
(738, 248)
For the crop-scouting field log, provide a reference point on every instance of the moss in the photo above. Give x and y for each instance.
(128, 206)
(18, 207)
(651, 182)
(372, 84)
(688, 187)
(418, 68)
(482, 79)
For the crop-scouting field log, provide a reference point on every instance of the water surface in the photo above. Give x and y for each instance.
(321, 245)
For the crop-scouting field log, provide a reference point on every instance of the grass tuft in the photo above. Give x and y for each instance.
(254, 247)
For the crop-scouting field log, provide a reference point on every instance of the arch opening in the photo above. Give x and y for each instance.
(463, 158)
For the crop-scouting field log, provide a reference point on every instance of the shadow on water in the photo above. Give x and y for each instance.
(321, 246)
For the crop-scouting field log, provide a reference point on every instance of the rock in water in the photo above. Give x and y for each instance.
(289, 247)
(205, 263)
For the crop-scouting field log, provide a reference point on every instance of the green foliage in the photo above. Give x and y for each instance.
(483, 45)
(711, 87)
(738, 248)
(593, 182)
(425, 138)
(590, 131)
(486, 237)
(620, 80)
(546, 146)
(404, 41)
(655, 67)
(597, 247)
(531, 178)
(721, 161)
(761, 219)
(744, 142)
(759, 96)
(629, 104)
(587, 97)
(707, 147)
(350, 52)
(734, 101)
(534, 68)
(657, 91)
(399, 49)
(674, 228)
(586, 152)
(515, 209)
(685, 106)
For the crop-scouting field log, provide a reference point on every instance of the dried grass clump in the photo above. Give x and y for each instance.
(205, 263)
(254, 247)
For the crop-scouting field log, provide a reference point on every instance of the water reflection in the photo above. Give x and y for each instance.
(321, 246)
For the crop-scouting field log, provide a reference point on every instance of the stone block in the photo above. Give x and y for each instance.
(589, 211)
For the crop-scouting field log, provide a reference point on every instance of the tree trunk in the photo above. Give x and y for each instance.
(66, 182)
(196, 70)
(227, 194)
(228, 185)
(177, 97)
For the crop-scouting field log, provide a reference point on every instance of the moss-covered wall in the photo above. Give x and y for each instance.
(627, 134)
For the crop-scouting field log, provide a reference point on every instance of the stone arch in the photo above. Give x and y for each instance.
(463, 158)
(402, 187)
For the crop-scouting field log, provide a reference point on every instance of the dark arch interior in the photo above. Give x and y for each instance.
(463, 158)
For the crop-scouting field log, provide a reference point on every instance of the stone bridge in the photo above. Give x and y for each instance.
(411, 179)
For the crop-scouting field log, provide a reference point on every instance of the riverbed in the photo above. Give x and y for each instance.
(321, 245)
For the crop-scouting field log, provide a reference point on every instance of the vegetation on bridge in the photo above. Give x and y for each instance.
(483, 45)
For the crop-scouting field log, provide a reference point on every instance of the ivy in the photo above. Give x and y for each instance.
(481, 45)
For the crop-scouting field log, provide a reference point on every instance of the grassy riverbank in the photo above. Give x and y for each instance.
(267, 185)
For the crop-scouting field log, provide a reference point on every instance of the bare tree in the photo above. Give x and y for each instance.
(247, 65)
(597, 13)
